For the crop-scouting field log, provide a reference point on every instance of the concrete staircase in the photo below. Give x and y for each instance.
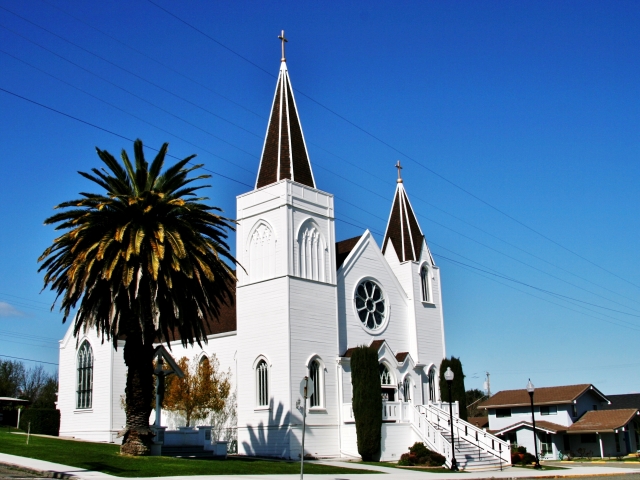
(470, 457)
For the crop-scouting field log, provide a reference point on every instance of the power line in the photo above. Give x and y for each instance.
(564, 297)
(397, 150)
(213, 154)
(29, 360)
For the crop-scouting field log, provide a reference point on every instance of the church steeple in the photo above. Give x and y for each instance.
(284, 154)
(403, 230)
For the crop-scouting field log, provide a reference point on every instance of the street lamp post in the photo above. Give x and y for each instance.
(530, 389)
(448, 376)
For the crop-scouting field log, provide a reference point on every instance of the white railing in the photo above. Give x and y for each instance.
(468, 432)
(430, 435)
(391, 412)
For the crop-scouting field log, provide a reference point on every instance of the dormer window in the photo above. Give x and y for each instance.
(549, 410)
(424, 281)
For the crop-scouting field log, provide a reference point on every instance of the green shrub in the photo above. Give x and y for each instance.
(367, 402)
(528, 458)
(522, 449)
(44, 421)
(421, 455)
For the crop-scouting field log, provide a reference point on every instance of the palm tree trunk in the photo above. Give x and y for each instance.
(138, 356)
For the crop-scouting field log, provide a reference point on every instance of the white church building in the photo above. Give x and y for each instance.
(303, 301)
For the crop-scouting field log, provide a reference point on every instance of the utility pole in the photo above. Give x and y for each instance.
(487, 384)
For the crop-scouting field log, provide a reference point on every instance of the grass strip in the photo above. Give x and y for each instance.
(106, 458)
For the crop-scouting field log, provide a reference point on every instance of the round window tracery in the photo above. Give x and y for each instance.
(370, 304)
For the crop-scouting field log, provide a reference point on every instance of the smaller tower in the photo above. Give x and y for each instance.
(406, 250)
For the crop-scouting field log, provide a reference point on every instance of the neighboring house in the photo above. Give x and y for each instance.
(568, 418)
(303, 301)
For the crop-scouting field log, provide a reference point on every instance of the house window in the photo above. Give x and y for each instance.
(550, 410)
(595, 407)
(432, 385)
(574, 410)
(312, 253)
(85, 376)
(566, 443)
(588, 438)
(616, 435)
(424, 280)
(315, 377)
(512, 437)
(262, 384)
(546, 443)
(503, 412)
(406, 389)
(371, 305)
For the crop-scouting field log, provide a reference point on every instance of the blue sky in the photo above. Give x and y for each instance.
(516, 123)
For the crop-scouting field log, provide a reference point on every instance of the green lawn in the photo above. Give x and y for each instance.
(105, 458)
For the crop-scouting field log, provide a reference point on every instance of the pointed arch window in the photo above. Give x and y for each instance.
(385, 375)
(262, 253)
(425, 284)
(312, 253)
(432, 384)
(406, 389)
(262, 384)
(84, 390)
(316, 377)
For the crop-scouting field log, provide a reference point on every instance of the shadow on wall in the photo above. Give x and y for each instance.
(273, 439)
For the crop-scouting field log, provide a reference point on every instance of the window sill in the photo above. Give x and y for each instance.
(428, 304)
(83, 410)
(262, 409)
(317, 410)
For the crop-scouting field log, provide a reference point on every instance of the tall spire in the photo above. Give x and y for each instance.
(284, 154)
(403, 230)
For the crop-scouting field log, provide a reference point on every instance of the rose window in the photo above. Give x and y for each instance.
(370, 304)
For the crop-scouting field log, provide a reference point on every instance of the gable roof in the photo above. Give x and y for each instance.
(548, 427)
(542, 396)
(403, 230)
(343, 249)
(480, 422)
(284, 154)
(603, 420)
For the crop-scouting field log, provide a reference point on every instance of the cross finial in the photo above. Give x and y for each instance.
(399, 168)
(284, 40)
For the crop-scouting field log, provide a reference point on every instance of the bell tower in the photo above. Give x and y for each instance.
(286, 292)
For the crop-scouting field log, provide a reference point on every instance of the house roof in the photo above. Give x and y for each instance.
(480, 422)
(548, 427)
(284, 154)
(629, 400)
(376, 345)
(343, 249)
(401, 356)
(603, 420)
(542, 396)
(403, 230)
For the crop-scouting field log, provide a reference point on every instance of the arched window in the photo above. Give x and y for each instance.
(262, 253)
(432, 385)
(262, 384)
(425, 283)
(312, 253)
(85, 376)
(406, 389)
(385, 375)
(316, 377)
(204, 360)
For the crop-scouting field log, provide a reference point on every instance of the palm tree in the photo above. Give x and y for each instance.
(141, 261)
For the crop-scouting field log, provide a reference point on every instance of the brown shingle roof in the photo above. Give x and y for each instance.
(480, 422)
(343, 249)
(403, 230)
(603, 420)
(284, 154)
(376, 344)
(401, 356)
(542, 424)
(542, 396)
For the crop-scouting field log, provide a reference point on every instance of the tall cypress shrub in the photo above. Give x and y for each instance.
(458, 391)
(367, 402)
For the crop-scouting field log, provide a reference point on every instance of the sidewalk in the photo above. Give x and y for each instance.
(386, 473)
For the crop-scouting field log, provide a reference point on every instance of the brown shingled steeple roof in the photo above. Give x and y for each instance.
(402, 228)
(284, 154)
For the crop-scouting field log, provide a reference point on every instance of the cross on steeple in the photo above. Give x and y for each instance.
(284, 40)
(399, 168)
